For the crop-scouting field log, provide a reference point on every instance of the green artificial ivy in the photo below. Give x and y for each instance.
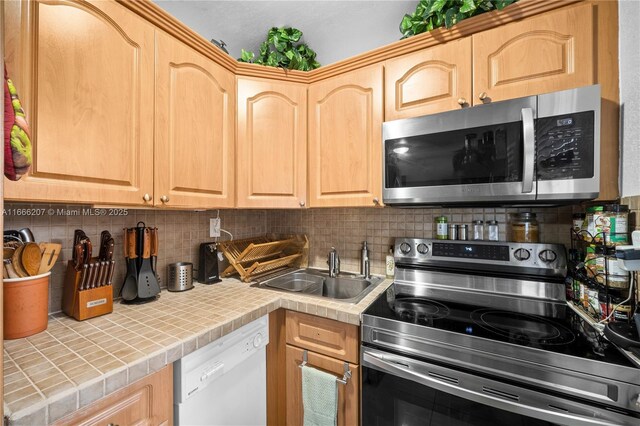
(280, 50)
(432, 14)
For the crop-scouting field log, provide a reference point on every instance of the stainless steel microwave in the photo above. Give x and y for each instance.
(542, 149)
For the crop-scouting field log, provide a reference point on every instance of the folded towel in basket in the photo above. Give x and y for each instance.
(319, 397)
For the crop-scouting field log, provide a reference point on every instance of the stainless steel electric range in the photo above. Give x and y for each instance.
(479, 333)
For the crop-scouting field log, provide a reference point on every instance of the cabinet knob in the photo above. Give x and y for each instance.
(146, 197)
(112, 424)
(302, 203)
(483, 96)
(376, 201)
(164, 199)
(462, 102)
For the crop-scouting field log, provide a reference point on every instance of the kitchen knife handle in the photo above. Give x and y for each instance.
(112, 267)
(146, 243)
(131, 242)
(154, 242)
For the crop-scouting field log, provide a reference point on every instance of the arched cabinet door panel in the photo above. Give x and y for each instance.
(272, 144)
(538, 55)
(345, 139)
(433, 80)
(84, 71)
(195, 120)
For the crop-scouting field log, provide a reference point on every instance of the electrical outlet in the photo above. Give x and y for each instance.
(214, 227)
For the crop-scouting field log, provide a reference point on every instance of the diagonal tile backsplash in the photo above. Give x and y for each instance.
(181, 232)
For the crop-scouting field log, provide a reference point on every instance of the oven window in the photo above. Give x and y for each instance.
(471, 156)
(390, 400)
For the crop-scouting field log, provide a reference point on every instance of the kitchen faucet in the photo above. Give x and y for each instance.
(334, 263)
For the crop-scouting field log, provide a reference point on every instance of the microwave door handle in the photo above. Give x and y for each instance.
(529, 157)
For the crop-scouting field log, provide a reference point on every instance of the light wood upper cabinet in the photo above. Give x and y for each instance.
(84, 72)
(433, 80)
(345, 139)
(538, 55)
(194, 122)
(272, 144)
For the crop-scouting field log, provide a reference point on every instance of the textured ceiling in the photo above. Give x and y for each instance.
(334, 29)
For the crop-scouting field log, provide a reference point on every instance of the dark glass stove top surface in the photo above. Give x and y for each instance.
(568, 334)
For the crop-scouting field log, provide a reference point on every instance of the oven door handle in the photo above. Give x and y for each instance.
(529, 150)
(449, 381)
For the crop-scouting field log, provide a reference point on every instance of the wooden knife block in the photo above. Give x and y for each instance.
(84, 304)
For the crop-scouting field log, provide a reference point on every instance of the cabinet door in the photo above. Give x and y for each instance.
(149, 401)
(272, 143)
(195, 116)
(348, 394)
(84, 71)
(345, 139)
(433, 80)
(539, 55)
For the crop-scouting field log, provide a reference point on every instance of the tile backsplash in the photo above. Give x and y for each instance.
(181, 232)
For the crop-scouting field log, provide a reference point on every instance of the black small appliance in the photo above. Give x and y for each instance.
(208, 265)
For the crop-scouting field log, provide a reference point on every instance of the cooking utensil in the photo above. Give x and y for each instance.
(154, 250)
(130, 286)
(31, 258)
(12, 235)
(147, 283)
(109, 247)
(92, 273)
(103, 273)
(26, 235)
(105, 236)
(10, 269)
(8, 252)
(140, 228)
(16, 261)
(50, 253)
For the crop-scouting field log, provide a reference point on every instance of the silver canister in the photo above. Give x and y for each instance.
(453, 231)
(180, 276)
(463, 232)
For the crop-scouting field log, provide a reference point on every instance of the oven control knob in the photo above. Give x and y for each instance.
(405, 248)
(423, 248)
(522, 254)
(547, 256)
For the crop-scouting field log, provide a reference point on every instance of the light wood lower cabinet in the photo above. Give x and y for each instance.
(271, 144)
(84, 72)
(195, 128)
(348, 394)
(148, 401)
(345, 139)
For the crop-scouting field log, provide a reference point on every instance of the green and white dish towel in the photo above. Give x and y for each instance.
(319, 397)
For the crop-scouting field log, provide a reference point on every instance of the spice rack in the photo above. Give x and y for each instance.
(254, 257)
(595, 287)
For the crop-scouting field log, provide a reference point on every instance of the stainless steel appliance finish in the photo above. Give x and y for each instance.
(538, 149)
(180, 276)
(472, 329)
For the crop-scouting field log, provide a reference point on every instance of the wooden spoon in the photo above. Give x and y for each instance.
(50, 253)
(16, 261)
(8, 252)
(31, 258)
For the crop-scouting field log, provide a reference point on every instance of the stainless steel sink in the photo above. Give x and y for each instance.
(345, 287)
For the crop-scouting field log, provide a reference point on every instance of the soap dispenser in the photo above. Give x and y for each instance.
(390, 264)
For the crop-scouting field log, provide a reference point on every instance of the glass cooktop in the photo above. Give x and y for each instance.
(568, 334)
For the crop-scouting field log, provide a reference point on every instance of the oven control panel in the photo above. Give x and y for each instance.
(496, 254)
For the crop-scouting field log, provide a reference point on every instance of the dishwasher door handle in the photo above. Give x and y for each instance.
(212, 371)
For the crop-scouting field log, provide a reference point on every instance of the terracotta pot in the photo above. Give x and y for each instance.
(26, 306)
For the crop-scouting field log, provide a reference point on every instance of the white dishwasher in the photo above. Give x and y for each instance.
(225, 382)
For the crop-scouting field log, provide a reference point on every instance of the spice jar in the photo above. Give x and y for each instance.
(453, 232)
(478, 230)
(524, 228)
(492, 230)
(578, 221)
(615, 220)
(589, 223)
(441, 227)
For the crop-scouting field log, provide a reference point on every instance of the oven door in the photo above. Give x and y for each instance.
(474, 155)
(397, 390)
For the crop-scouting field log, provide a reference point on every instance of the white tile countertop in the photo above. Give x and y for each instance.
(74, 363)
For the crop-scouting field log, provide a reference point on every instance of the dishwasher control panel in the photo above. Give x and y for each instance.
(195, 371)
